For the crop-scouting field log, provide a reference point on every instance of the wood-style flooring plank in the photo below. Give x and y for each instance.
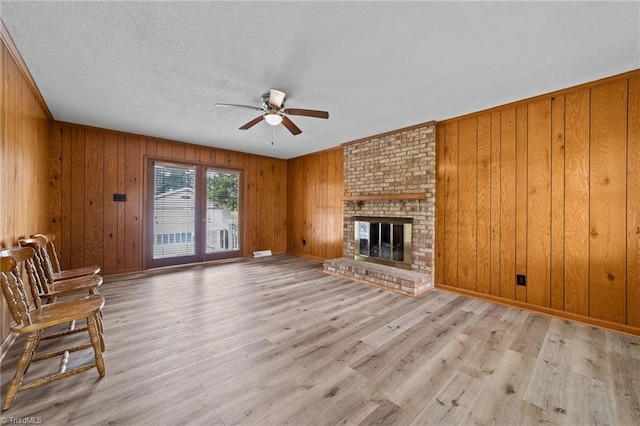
(273, 341)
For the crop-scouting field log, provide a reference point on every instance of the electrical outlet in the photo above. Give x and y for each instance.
(521, 279)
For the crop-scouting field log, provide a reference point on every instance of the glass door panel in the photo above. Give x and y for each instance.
(222, 230)
(174, 211)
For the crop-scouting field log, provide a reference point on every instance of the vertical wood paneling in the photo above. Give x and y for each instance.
(94, 198)
(268, 207)
(110, 208)
(142, 204)
(12, 106)
(335, 184)
(338, 191)
(308, 206)
(133, 174)
(315, 186)
(190, 152)
(521, 198)
(293, 214)
(576, 208)
(557, 198)
(64, 239)
(495, 204)
(557, 203)
(121, 179)
(178, 152)
(55, 180)
(77, 231)
(441, 217)
(451, 203)
(252, 203)
(560, 200)
(161, 146)
(205, 154)
(315, 223)
(508, 156)
(633, 204)
(43, 180)
(8, 109)
(25, 132)
(279, 180)
(152, 148)
(607, 269)
(266, 210)
(301, 205)
(483, 228)
(538, 251)
(320, 197)
(467, 202)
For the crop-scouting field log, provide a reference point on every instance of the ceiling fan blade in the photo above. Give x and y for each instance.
(290, 126)
(252, 122)
(306, 112)
(276, 98)
(240, 106)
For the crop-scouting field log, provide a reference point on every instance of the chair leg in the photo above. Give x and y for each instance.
(39, 334)
(22, 366)
(96, 339)
(100, 326)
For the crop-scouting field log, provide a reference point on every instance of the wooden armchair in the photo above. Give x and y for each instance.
(49, 255)
(34, 318)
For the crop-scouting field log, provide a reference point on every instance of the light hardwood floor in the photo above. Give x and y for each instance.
(275, 341)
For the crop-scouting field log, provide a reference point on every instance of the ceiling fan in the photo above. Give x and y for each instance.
(274, 112)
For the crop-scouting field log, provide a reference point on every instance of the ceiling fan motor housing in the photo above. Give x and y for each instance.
(268, 106)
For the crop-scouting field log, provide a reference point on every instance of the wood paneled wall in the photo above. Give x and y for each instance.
(548, 188)
(315, 190)
(23, 159)
(89, 165)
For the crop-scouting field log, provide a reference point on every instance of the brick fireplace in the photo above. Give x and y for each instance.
(390, 176)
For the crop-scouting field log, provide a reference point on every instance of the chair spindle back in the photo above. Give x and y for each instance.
(13, 287)
(42, 268)
(50, 248)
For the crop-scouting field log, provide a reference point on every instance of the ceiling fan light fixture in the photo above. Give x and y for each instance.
(274, 112)
(273, 118)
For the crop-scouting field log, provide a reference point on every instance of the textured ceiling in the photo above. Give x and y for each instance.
(158, 68)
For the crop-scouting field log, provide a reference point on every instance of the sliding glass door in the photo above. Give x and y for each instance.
(193, 213)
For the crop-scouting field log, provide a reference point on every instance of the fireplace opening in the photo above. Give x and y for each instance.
(383, 240)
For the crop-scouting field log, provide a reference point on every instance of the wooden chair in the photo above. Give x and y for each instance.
(48, 287)
(34, 318)
(50, 256)
(49, 291)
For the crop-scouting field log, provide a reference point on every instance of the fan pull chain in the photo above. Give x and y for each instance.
(273, 136)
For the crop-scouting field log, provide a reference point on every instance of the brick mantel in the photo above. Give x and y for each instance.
(418, 196)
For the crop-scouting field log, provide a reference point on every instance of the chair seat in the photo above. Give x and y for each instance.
(74, 285)
(75, 273)
(60, 312)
